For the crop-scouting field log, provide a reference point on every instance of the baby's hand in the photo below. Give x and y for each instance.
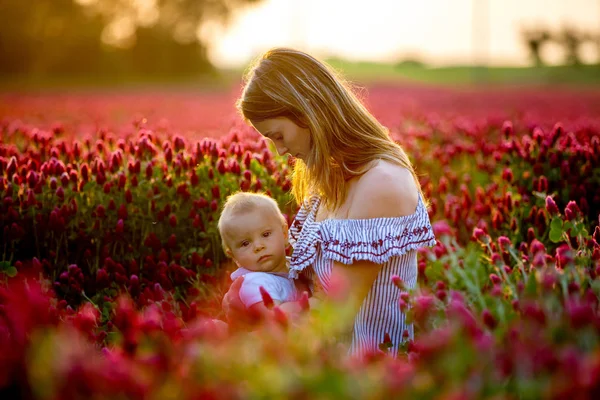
(237, 315)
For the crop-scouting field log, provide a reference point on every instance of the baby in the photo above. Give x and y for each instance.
(254, 234)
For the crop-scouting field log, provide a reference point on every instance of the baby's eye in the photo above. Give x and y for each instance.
(244, 244)
(267, 234)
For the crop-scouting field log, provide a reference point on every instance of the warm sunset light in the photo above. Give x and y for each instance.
(396, 200)
(435, 31)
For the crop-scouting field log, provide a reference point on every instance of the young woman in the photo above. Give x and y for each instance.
(363, 214)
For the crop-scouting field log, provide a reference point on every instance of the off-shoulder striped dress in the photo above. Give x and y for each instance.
(392, 242)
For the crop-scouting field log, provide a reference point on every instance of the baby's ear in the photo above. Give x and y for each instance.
(228, 253)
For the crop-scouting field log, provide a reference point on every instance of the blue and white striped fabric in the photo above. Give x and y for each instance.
(392, 242)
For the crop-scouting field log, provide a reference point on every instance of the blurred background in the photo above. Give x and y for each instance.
(210, 42)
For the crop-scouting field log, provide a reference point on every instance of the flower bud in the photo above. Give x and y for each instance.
(551, 206)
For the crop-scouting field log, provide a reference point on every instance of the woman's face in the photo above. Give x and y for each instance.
(286, 136)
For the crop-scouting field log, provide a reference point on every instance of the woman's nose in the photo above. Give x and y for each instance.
(282, 150)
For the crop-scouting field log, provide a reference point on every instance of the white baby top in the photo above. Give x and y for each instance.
(278, 285)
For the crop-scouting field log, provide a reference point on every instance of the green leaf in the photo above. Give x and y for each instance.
(584, 232)
(555, 235)
(4, 265)
(531, 287)
(11, 271)
(567, 225)
(556, 224)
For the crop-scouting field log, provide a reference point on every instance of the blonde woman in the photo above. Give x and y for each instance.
(362, 213)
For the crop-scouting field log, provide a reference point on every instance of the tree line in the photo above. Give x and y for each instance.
(107, 37)
(569, 38)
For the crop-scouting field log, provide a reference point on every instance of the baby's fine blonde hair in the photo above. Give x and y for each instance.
(345, 138)
(241, 203)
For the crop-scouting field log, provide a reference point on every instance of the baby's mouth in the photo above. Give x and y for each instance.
(264, 258)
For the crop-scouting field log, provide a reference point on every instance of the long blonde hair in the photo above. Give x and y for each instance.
(345, 138)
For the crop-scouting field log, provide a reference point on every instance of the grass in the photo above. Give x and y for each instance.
(364, 72)
(465, 75)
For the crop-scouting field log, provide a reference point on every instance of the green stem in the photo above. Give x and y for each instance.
(37, 244)
(90, 300)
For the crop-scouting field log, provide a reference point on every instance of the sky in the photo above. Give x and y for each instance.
(439, 32)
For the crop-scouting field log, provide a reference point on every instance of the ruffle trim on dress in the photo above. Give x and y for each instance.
(375, 240)
(349, 240)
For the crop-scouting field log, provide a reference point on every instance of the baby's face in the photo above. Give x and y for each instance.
(257, 241)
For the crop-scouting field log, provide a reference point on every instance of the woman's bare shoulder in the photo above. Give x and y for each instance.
(385, 190)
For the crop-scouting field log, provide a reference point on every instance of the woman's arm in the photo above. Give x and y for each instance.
(384, 191)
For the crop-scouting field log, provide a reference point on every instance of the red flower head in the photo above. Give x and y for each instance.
(122, 213)
(193, 178)
(495, 279)
(507, 175)
(168, 155)
(85, 172)
(539, 259)
(488, 319)
(398, 282)
(172, 242)
(280, 318)
(304, 304)
(564, 256)
(178, 143)
(244, 185)
(504, 243)
(120, 226)
(149, 170)
(247, 159)
(480, 235)
(60, 193)
(221, 166)
(122, 180)
(572, 211)
(596, 235)
(423, 307)
(100, 211)
(551, 206)
(507, 129)
(266, 297)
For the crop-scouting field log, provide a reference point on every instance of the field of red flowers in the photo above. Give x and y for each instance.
(112, 274)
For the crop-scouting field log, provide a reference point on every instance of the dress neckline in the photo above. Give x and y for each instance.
(312, 216)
